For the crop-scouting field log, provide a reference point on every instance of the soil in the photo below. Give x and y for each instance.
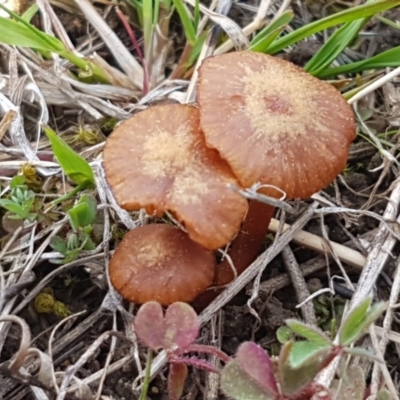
(82, 288)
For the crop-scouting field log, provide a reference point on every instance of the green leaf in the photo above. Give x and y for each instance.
(310, 333)
(18, 180)
(31, 217)
(284, 334)
(236, 384)
(148, 25)
(74, 166)
(26, 35)
(22, 33)
(186, 21)
(360, 352)
(87, 242)
(30, 12)
(196, 15)
(11, 206)
(83, 213)
(354, 324)
(266, 36)
(303, 351)
(58, 244)
(334, 46)
(295, 380)
(386, 59)
(351, 14)
(375, 312)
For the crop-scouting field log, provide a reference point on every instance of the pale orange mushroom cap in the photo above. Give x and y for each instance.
(158, 160)
(274, 123)
(160, 263)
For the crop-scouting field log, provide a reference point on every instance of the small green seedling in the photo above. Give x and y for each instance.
(251, 374)
(74, 166)
(175, 333)
(81, 219)
(21, 201)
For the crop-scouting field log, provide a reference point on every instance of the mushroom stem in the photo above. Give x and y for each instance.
(247, 244)
(244, 250)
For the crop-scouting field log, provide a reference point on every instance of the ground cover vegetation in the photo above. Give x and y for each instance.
(314, 316)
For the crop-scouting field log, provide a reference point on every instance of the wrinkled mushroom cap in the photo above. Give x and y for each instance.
(274, 123)
(160, 263)
(158, 160)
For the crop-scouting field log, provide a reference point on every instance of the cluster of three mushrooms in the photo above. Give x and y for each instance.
(260, 120)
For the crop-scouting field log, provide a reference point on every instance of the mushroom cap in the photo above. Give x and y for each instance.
(274, 123)
(158, 160)
(160, 263)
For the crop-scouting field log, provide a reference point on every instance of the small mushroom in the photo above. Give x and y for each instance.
(160, 263)
(158, 160)
(274, 123)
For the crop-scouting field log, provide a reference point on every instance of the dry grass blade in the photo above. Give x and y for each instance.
(307, 268)
(128, 63)
(314, 242)
(19, 359)
(387, 323)
(299, 285)
(239, 40)
(71, 371)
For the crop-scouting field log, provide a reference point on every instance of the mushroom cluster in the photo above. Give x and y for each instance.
(259, 119)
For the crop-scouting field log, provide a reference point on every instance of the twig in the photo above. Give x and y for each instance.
(299, 284)
(212, 380)
(387, 323)
(314, 242)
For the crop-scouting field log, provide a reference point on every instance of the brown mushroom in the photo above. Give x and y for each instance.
(160, 263)
(158, 160)
(274, 123)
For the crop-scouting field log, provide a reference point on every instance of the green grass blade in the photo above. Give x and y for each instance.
(186, 21)
(30, 12)
(386, 21)
(195, 52)
(351, 14)
(147, 26)
(388, 58)
(138, 6)
(266, 36)
(16, 34)
(334, 46)
(54, 43)
(74, 166)
(196, 15)
(22, 33)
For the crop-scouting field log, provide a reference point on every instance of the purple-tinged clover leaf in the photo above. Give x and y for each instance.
(250, 375)
(174, 332)
(255, 361)
(182, 326)
(149, 325)
(176, 380)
